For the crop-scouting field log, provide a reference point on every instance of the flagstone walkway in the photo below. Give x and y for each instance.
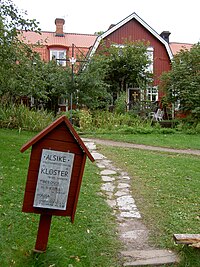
(132, 231)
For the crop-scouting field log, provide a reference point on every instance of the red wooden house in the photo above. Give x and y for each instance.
(67, 46)
(133, 28)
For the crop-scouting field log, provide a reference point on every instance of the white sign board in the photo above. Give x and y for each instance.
(53, 179)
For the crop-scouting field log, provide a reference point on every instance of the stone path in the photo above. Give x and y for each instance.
(132, 232)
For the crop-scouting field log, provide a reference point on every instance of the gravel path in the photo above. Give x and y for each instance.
(144, 147)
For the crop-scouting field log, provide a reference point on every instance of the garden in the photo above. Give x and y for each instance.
(164, 185)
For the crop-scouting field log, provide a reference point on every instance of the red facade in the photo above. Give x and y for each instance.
(134, 31)
(133, 28)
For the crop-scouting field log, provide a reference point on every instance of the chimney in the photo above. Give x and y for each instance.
(111, 25)
(59, 27)
(165, 35)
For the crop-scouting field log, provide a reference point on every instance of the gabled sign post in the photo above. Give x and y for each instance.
(55, 173)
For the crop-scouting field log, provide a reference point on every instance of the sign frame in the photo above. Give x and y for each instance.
(59, 136)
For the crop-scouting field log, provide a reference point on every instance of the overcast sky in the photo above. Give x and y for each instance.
(180, 17)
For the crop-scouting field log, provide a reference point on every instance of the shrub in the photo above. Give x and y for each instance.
(85, 119)
(120, 104)
(22, 118)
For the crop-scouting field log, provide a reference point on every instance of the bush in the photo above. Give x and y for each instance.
(85, 120)
(22, 118)
(120, 104)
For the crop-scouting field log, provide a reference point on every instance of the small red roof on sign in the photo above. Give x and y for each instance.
(50, 128)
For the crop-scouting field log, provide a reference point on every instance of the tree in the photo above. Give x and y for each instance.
(127, 64)
(14, 54)
(91, 86)
(182, 83)
(110, 69)
(22, 73)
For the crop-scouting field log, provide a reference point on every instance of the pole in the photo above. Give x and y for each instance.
(43, 233)
(71, 96)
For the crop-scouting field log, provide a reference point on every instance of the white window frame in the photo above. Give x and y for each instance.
(152, 92)
(150, 52)
(56, 54)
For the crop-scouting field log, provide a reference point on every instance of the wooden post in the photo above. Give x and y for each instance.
(43, 233)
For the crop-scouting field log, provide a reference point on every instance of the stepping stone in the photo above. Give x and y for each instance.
(108, 172)
(130, 214)
(135, 234)
(149, 257)
(97, 156)
(106, 161)
(121, 193)
(107, 178)
(100, 166)
(126, 177)
(90, 145)
(123, 185)
(109, 187)
(126, 202)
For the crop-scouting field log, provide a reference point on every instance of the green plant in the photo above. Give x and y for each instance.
(22, 118)
(85, 119)
(120, 104)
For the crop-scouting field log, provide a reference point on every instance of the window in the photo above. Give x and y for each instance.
(152, 94)
(150, 57)
(58, 55)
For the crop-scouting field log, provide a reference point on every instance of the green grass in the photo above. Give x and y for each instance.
(166, 188)
(90, 242)
(176, 140)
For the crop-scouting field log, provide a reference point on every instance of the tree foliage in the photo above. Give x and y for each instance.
(110, 69)
(12, 51)
(126, 64)
(22, 73)
(182, 83)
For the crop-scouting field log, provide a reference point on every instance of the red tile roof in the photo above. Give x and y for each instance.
(49, 39)
(177, 47)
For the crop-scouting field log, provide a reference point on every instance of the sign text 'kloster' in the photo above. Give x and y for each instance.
(53, 179)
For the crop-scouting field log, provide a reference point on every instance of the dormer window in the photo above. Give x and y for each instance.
(59, 56)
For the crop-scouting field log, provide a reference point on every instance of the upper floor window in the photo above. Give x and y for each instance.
(59, 56)
(150, 57)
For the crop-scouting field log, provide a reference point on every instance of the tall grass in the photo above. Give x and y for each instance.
(22, 118)
(86, 121)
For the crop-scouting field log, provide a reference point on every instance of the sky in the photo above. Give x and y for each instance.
(180, 17)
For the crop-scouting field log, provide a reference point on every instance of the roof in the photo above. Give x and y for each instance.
(124, 21)
(52, 126)
(50, 39)
(177, 47)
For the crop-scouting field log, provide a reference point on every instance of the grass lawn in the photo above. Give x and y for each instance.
(90, 242)
(176, 140)
(166, 188)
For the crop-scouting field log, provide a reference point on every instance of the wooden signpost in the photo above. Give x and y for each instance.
(54, 177)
